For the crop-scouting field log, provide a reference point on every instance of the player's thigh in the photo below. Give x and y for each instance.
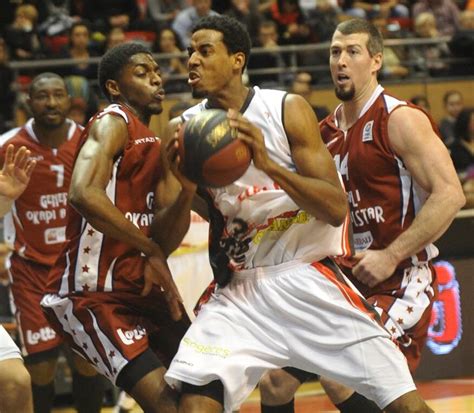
(279, 386)
(42, 366)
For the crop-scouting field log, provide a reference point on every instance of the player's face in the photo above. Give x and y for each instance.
(49, 102)
(209, 64)
(140, 85)
(353, 70)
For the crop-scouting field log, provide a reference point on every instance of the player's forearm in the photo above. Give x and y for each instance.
(5, 205)
(171, 224)
(323, 200)
(106, 218)
(431, 222)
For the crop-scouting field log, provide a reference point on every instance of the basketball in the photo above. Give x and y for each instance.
(211, 155)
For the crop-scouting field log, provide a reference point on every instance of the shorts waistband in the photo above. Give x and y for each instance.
(273, 270)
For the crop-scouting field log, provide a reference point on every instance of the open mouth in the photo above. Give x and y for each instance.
(193, 78)
(342, 78)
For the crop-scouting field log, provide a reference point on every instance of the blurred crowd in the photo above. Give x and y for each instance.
(80, 29)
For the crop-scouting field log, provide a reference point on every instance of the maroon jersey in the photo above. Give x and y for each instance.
(36, 225)
(384, 199)
(92, 261)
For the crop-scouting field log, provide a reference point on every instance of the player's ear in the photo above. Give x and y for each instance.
(377, 61)
(113, 88)
(239, 60)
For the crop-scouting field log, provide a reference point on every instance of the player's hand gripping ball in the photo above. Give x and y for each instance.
(211, 155)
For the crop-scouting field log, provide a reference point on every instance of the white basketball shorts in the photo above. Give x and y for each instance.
(8, 348)
(294, 314)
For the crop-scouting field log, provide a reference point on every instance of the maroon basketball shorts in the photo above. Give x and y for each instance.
(113, 328)
(27, 281)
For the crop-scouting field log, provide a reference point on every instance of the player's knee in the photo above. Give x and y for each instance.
(278, 387)
(409, 403)
(17, 383)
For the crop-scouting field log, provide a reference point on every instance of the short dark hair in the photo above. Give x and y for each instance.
(41, 76)
(113, 62)
(353, 26)
(461, 126)
(234, 35)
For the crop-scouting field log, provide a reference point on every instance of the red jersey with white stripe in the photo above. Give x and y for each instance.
(92, 261)
(36, 225)
(384, 199)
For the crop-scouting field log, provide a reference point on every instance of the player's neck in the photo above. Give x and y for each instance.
(352, 109)
(52, 137)
(230, 98)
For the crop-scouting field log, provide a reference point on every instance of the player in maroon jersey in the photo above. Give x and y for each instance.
(35, 228)
(111, 293)
(403, 194)
(15, 380)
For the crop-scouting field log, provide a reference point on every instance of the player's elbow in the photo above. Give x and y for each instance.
(77, 197)
(338, 213)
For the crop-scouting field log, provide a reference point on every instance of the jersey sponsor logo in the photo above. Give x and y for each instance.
(146, 139)
(363, 241)
(206, 348)
(253, 190)
(367, 135)
(44, 334)
(53, 200)
(37, 217)
(129, 337)
(364, 216)
(140, 220)
(445, 330)
(280, 224)
(55, 235)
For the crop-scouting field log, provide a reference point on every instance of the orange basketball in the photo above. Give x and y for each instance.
(210, 153)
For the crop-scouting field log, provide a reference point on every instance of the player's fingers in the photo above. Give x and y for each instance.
(9, 155)
(29, 167)
(19, 156)
(23, 160)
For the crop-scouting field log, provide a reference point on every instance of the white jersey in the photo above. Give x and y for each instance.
(255, 222)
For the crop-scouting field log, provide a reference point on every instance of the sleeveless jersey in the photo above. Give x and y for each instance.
(36, 225)
(92, 261)
(384, 199)
(254, 222)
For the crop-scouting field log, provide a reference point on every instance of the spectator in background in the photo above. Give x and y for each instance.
(292, 27)
(115, 36)
(322, 19)
(429, 58)
(168, 42)
(462, 45)
(21, 36)
(302, 86)
(422, 102)
(79, 49)
(163, 12)
(462, 153)
(187, 18)
(462, 150)
(58, 16)
(446, 14)
(247, 14)
(267, 39)
(7, 97)
(453, 105)
(105, 14)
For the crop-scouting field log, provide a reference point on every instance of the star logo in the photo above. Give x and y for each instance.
(87, 250)
(400, 321)
(85, 346)
(85, 287)
(409, 309)
(85, 268)
(95, 360)
(393, 330)
(112, 353)
(90, 232)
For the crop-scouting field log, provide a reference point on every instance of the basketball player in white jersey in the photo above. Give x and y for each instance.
(403, 194)
(15, 381)
(279, 301)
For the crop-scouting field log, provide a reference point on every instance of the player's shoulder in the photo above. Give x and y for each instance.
(116, 110)
(18, 135)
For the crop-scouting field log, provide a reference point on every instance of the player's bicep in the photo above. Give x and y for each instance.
(308, 151)
(93, 167)
(424, 154)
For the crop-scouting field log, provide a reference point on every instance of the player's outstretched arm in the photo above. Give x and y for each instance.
(14, 176)
(315, 187)
(425, 156)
